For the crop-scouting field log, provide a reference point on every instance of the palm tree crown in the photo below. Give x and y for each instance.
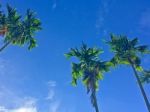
(89, 68)
(127, 50)
(19, 31)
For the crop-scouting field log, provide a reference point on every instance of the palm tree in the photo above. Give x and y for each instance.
(2, 24)
(89, 68)
(145, 76)
(18, 31)
(128, 52)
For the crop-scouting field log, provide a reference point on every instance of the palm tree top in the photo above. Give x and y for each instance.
(88, 57)
(121, 43)
(89, 68)
(127, 49)
(88, 64)
(87, 60)
(20, 30)
(84, 53)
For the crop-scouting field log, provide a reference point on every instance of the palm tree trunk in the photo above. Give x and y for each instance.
(141, 87)
(95, 102)
(96, 106)
(4, 46)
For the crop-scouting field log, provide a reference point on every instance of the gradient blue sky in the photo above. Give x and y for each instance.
(39, 81)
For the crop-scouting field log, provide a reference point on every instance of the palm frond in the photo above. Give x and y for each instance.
(144, 49)
(145, 76)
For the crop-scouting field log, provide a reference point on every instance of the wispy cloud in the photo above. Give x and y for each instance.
(102, 13)
(145, 19)
(51, 95)
(20, 109)
(54, 103)
(54, 106)
(6, 94)
(54, 5)
(51, 83)
(144, 22)
(29, 105)
(12, 102)
(24, 109)
(51, 90)
(3, 109)
(4, 64)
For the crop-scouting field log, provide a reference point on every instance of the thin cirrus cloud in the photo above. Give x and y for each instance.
(54, 5)
(144, 23)
(51, 92)
(51, 95)
(54, 104)
(145, 19)
(11, 101)
(3, 66)
(102, 13)
(51, 83)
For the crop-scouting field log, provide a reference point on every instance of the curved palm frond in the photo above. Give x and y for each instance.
(145, 76)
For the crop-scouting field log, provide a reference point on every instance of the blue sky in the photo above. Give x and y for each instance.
(39, 81)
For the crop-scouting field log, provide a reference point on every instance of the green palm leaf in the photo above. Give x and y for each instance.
(145, 76)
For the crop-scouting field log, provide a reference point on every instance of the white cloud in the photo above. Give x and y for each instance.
(3, 109)
(54, 106)
(102, 13)
(9, 98)
(28, 106)
(51, 95)
(54, 103)
(51, 83)
(24, 109)
(21, 109)
(29, 101)
(51, 90)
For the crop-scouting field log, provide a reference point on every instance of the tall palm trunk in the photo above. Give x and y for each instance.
(140, 85)
(4, 46)
(95, 102)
